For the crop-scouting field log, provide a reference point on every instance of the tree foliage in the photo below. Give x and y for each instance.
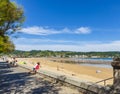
(11, 19)
(6, 45)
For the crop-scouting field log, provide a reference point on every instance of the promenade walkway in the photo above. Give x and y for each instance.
(16, 80)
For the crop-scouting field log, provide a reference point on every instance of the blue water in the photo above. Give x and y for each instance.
(98, 65)
(97, 59)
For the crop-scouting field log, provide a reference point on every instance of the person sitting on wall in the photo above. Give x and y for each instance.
(35, 68)
(14, 62)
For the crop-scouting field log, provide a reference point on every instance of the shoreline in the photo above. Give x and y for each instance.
(88, 73)
(79, 61)
(98, 65)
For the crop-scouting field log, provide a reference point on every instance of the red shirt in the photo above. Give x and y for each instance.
(37, 67)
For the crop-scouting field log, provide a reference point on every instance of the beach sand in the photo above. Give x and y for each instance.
(87, 73)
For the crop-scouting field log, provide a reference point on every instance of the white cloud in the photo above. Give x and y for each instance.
(40, 40)
(59, 47)
(39, 30)
(67, 45)
(51, 41)
(83, 30)
(110, 46)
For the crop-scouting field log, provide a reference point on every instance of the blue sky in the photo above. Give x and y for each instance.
(70, 25)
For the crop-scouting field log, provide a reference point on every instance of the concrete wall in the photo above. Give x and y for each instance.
(85, 87)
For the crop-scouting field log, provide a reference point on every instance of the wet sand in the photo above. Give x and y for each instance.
(87, 73)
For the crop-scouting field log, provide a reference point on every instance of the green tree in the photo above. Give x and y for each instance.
(6, 45)
(11, 19)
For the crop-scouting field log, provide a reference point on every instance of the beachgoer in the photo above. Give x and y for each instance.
(36, 67)
(14, 62)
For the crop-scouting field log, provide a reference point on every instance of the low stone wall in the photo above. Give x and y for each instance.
(84, 87)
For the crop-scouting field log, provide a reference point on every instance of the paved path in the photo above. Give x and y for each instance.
(17, 81)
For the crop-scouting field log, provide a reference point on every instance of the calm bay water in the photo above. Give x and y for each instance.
(97, 65)
(98, 59)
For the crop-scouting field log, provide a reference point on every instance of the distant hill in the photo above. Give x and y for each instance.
(48, 53)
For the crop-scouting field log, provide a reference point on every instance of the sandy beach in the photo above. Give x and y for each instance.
(87, 73)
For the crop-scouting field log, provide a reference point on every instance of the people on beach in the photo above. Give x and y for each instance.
(13, 62)
(36, 67)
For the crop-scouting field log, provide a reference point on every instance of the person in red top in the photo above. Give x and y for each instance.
(36, 67)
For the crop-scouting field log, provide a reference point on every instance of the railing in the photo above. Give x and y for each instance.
(104, 81)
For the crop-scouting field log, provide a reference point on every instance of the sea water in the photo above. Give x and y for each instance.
(98, 65)
(98, 59)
